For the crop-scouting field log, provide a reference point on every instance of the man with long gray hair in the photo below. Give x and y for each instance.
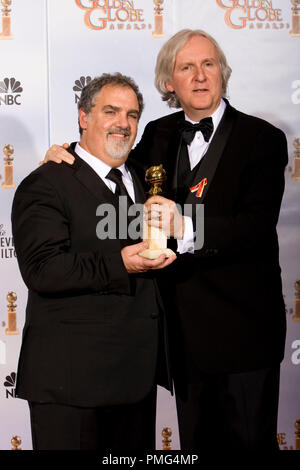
(224, 300)
(228, 334)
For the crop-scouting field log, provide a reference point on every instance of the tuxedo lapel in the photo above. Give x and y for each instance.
(205, 174)
(139, 192)
(89, 178)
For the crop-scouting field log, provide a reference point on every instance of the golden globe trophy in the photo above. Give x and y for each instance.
(158, 19)
(296, 174)
(8, 182)
(6, 31)
(16, 441)
(166, 442)
(12, 314)
(295, 32)
(155, 236)
(296, 317)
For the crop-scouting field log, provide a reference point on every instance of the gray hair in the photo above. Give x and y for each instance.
(166, 62)
(91, 90)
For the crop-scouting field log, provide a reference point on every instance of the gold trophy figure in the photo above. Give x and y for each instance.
(8, 182)
(155, 236)
(295, 32)
(296, 174)
(158, 20)
(6, 31)
(16, 441)
(12, 314)
(166, 442)
(296, 317)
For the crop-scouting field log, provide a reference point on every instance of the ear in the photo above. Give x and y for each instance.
(82, 119)
(169, 87)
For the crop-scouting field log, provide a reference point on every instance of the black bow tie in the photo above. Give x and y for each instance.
(189, 130)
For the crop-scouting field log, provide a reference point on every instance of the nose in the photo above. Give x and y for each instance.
(200, 75)
(123, 121)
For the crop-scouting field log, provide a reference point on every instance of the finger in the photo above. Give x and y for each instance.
(154, 263)
(167, 262)
(155, 223)
(137, 248)
(65, 145)
(64, 155)
(156, 200)
(153, 215)
(55, 159)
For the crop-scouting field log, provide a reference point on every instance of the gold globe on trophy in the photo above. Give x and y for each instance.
(16, 441)
(156, 237)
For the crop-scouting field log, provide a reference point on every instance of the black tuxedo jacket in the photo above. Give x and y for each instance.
(225, 305)
(91, 331)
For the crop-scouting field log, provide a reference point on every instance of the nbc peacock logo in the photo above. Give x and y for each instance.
(79, 85)
(10, 384)
(10, 92)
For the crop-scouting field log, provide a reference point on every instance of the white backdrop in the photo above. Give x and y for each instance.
(57, 43)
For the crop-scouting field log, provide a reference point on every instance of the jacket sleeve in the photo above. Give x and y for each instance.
(42, 238)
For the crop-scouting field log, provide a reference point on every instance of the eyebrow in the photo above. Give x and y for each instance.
(116, 108)
(190, 62)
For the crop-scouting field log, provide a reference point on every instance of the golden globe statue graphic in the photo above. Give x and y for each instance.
(6, 29)
(12, 314)
(158, 19)
(295, 32)
(8, 182)
(296, 174)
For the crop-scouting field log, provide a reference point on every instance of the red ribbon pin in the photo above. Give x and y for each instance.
(199, 187)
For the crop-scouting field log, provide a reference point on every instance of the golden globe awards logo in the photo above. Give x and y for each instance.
(252, 14)
(112, 15)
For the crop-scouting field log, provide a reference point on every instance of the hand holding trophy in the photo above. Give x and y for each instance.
(155, 236)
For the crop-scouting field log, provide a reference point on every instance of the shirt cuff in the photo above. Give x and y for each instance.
(186, 245)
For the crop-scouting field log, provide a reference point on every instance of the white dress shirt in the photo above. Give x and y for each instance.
(102, 170)
(196, 150)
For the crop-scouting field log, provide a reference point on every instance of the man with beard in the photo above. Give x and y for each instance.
(93, 348)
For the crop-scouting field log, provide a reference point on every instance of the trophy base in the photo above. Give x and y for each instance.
(154, 254)
(294, 177)
(156, 35)
(8, 186)
(11, 332)
(2, 36)
(295, 35)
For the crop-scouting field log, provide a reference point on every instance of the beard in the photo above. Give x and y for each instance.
(117, 149)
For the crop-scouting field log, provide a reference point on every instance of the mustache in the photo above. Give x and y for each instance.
(119, 130)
